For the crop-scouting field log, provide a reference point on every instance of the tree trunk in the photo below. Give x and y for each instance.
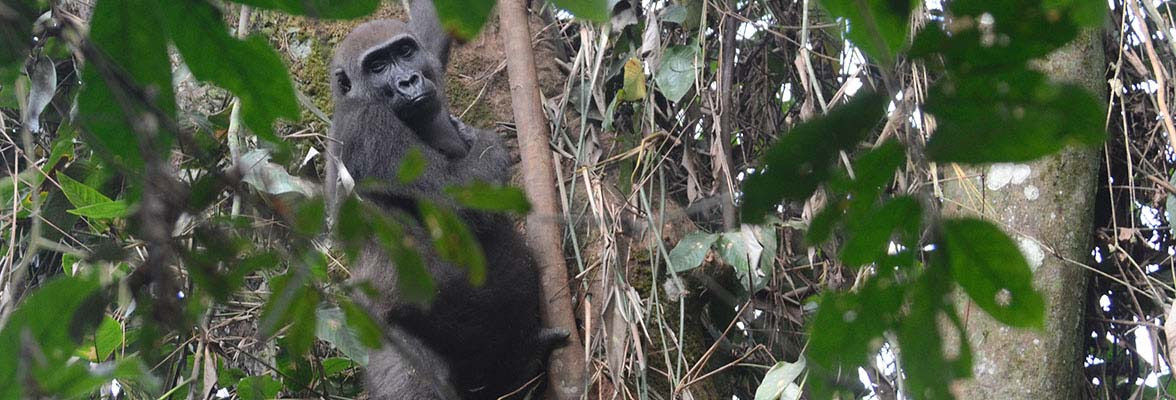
(566, 367)
(1047, 206)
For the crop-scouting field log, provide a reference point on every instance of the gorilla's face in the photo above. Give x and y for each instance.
(382, 62)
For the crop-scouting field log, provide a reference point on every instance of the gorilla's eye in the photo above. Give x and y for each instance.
(344, 82)
(378, 67)
(405, 49)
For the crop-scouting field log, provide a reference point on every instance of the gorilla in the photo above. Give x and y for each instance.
(471, 342)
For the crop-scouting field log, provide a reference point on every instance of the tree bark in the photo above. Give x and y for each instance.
(1047, 206)
(566, 368)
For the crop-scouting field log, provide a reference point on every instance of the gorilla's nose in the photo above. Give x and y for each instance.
(409, 81)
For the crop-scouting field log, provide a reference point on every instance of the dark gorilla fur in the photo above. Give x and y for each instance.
(471, 342)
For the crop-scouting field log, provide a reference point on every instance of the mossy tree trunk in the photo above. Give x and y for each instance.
(1047, 206)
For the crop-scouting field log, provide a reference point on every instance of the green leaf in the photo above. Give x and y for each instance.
(1010, 117)
(847, 324)
(79, 194)
(303, 326)
(310, 217)
(333, 328)
(677, 71)
(327, 9)
(130, 38)
(992, 270)
(76, 309)
(689, 253)
(1087, 13)
(486, 197)
(454, 241)
(79, 380)
(779, 382)
(249, 68)
(335, 365)
(463, 18)
(366, 329)
(16, 33)
(870, 235)
(874, 172)
(292, 307)
(995, 34)
(674, 13)
(411, 167)
(742, 251)
(879, 27)
(805, 155)
(107, 210)
(108, 338)
(928, 371)
(258, 388)
(593, 10)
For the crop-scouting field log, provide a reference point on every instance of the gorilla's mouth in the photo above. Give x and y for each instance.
(418, 107)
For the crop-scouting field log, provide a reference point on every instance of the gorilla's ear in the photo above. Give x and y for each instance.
(427, 27)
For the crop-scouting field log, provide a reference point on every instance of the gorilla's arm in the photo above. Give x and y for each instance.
(427, 27)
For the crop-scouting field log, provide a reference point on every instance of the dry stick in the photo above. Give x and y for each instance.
(726, 81)
(1157, 71)
(567, 367)
(234, 131)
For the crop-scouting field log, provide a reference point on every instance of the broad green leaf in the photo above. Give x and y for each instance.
(79, 380)
(366, 329)
(453, 240)
(1088, 13)
(676, 74)
(633, 88)
(79, 194)
(870, 235)
(249, 68)
(847, 324)
(108, 338)
(689, 253)
(463, 18)
(742, 251)
(76, 308)
(795, 165)
(674, 13)
(292, 307)
(1010, 117)
(779, 382)
(486, 197)
(411, 167)
(995, 34)
(129, 34)
(879, 27)
(333, 328)
(328, 9)
(874, 172)
(106, 210)
(988, 265)
(16, 36)
(310, 217)
(258, 388)
(594, 10)
(927, 368)
(334, 365)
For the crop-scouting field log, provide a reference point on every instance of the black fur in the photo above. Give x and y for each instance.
(483, 341)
